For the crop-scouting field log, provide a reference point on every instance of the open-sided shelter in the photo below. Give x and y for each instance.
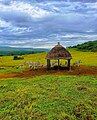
(56, 53)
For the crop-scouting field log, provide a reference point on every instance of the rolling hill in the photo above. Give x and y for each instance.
(19, 51)
(87, 46)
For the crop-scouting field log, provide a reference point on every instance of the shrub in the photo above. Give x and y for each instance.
(17, 58)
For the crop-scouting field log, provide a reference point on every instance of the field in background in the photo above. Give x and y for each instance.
(49, 98)
(8, 65)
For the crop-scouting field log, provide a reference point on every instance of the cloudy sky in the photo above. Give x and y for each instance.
(42, 23)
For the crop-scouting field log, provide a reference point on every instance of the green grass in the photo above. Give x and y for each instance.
(49, 98)
(87, 58)
(8, 65)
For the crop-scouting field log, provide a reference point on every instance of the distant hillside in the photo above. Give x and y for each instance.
(87, 46)
(19, 51)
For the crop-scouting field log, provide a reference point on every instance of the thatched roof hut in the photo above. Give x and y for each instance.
(56, 53)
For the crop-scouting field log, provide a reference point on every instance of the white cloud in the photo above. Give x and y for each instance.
(92, 5)
(4, 23)
(48, 46)
(33, 11)
(17, 42)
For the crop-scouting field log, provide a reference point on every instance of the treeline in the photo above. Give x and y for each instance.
(4, 51)
(87, 46)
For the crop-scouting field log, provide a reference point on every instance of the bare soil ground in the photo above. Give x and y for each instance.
(78, 71)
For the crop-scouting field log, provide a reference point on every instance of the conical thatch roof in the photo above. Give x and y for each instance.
(58, 52)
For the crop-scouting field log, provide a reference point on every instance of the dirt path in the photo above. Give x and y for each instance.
(79, 71)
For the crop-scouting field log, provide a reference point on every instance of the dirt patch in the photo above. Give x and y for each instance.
(11, 75)
(78, 71)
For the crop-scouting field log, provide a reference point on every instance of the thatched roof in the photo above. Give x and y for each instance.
(58, 52)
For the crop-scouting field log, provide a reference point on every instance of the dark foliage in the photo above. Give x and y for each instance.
(17, 57)
(87, 46)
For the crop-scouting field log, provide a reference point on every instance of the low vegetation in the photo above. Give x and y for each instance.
(49, 98)
(17, 57)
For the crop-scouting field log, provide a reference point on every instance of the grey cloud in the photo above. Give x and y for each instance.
(5, 2)
(8, 2)
(90, 1)
(16, 17)
(65, 18)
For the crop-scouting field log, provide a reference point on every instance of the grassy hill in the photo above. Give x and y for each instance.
(87, 46)
(19, 51)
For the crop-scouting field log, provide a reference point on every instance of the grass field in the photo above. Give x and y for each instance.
(8, 65)
(49, 98)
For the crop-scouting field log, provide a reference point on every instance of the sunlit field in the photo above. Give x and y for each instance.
(8, 65)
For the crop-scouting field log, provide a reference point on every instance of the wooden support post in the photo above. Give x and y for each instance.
(48, 64)
(58, 65)
(68, 64)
